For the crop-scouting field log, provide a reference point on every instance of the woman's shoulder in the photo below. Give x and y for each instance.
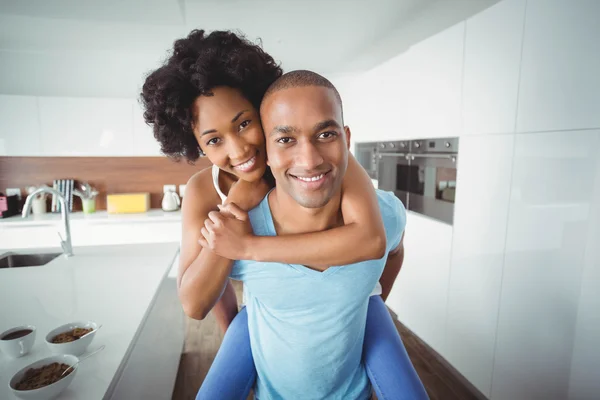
(200, 187)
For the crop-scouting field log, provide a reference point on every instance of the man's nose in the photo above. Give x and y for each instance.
(308, 156)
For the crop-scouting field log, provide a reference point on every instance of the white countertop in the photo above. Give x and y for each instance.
(111, 285)
(152, 215)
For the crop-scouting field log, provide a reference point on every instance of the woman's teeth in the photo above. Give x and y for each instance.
(247, 165)
(311, 179)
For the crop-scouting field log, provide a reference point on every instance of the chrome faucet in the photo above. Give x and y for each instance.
(66, 243)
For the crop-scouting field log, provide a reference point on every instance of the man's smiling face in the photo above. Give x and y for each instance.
(307, 143)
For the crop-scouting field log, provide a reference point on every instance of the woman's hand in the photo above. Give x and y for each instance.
(228, 233)
(247, 195)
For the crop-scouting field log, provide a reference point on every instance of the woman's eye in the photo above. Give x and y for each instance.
(212, 141)
(327, 135)
(284, 140)
(244, 124)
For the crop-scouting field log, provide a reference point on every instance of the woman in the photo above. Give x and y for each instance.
(204, 101)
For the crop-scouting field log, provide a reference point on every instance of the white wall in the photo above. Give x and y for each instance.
(519, 84)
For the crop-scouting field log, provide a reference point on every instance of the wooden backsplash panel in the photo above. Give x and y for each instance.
(107, 174)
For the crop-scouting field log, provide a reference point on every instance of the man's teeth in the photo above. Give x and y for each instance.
(247, 164)
(310, 179)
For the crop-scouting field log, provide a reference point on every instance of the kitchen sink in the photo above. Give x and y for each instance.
(16, 260)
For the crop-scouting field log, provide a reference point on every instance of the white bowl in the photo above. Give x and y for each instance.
(46, 392)
(76, 347)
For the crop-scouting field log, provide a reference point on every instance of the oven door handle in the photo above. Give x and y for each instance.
(451, 157)
(399, 155)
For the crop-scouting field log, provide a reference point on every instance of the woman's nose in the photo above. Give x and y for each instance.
(238, 149)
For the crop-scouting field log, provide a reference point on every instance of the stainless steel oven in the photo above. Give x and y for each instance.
(366, 155)
(393, 168)
(434, 164)
(422, 173)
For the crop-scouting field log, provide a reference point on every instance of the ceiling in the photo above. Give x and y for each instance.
(102, 48)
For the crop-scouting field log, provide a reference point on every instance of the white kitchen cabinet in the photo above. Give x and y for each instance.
(560, 83)
(86, 126)
(19, 126)
(491, 68)
(479, 234)
(416, 94)
(428, 103)
(144, 143)
(90, 233)
(584, 383)
(550, 205)
(419, 295)
(378, 116)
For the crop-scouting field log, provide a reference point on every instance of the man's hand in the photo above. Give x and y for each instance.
(228, 233)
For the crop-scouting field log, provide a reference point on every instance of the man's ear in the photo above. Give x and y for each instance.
(348, 135)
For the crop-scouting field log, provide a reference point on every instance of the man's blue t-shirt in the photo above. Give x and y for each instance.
(307, 327)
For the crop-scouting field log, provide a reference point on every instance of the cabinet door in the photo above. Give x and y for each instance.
(19, 126)
(584, 382)
(419, 295)
(144, 143)
(416, 94)
(560, 83)
(429, 100)
(491, 69)
(549, 214)
(86, 126)
(479, 234)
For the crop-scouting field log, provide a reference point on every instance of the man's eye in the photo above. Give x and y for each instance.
(244, 124)
(284, 140)
(213, 141)
(327, 135)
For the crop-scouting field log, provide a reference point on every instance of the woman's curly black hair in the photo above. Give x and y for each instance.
(198, 64)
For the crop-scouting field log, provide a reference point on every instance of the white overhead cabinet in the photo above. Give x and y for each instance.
(491, 68)
(19, 126)
(70, 126)
(430, 100)
(560, 79)
(415, 94)
(144, 143)
(86, 126)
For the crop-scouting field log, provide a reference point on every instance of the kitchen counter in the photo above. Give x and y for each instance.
(99, 217)
(116, 286)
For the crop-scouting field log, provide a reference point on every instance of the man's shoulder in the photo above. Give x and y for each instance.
(259, 217)
(389, 203)
(393, 214)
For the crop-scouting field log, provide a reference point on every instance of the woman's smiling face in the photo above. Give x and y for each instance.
(229, 132)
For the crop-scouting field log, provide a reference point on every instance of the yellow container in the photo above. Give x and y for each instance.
(125, 203)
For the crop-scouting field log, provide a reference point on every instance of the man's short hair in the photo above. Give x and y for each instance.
(302, 78)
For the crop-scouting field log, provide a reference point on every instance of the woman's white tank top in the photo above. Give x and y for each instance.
(215, 178)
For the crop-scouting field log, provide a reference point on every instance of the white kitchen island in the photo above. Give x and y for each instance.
(127, 289)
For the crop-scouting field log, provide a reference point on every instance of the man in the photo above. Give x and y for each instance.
(306, 326)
